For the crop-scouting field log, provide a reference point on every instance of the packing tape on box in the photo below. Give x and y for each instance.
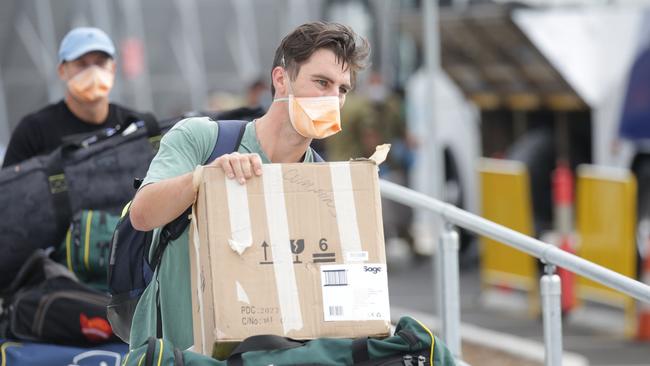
(285, 278)
(241, 236)
(346, 211)
(199, 295)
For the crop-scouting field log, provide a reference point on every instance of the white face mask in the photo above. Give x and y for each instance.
(313, 117)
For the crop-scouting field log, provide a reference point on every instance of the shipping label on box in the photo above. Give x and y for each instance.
(354, 291)
(297, 252)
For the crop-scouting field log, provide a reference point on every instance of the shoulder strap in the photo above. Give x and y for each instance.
(150, 124)
(230, 135)
(154, 133)
(59, 191)
(228, 139)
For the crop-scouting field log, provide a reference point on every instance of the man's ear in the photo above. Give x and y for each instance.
(61, 71)
(278, 77)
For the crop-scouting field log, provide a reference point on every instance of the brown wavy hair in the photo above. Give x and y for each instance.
(297, 47)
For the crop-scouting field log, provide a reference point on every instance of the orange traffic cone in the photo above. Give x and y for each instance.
(568, 279)
(643, 321)
(563, 212)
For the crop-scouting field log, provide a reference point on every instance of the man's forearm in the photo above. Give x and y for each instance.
(159, 203)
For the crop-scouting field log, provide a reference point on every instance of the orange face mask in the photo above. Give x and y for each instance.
(91, 84)
(314, 117)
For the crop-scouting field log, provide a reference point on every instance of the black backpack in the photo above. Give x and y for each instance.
(129, 268)
(46, 303)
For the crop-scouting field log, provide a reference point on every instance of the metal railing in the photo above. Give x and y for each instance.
(448, 276)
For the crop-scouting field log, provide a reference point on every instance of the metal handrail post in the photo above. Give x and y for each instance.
(450, 294)
(551, 290)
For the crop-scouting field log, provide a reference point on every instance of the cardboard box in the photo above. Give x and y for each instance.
(298, 252)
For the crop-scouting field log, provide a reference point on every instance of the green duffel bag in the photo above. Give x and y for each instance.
(412, 345)
(85, 250)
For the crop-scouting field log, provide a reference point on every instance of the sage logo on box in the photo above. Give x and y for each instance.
(374, 270)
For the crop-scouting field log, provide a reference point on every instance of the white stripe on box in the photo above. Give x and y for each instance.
(241, 236)
(278, 225)
(199, 294)
(346, 211)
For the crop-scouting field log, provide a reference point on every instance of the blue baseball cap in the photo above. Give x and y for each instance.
(82, 40)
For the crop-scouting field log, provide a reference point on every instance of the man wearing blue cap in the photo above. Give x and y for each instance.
(86, 65)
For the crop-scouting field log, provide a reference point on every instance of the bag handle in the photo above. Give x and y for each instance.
(178, 357)
(150, 353)
(267, 342)
(360, 350)
(147, 120)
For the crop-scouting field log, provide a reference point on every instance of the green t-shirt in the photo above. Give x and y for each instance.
(188, 144)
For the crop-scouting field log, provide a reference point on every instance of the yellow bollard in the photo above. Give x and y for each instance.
(506, 200)
(606, 219)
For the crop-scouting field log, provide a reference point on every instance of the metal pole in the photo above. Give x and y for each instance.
(432, 152)
(450, 293)
(439, 290)
(387, 10)
(5, 131)
(47, 35)
(38, 53)
(134, 24)
(101, 14)
(194, 63)
(551, 290)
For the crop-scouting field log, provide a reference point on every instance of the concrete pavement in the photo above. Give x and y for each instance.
(411, 290)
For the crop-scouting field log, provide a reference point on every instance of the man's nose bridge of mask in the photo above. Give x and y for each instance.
(91, 83)
(89, 76)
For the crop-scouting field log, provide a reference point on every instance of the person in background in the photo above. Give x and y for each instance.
(258, 95)
(87, 67)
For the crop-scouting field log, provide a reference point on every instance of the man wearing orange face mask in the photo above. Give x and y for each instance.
(313, 70)
(87, 67)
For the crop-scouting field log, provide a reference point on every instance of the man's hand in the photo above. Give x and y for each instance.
(239, 166)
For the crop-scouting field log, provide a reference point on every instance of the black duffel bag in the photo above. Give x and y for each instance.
(46, 303)
(39, 196)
